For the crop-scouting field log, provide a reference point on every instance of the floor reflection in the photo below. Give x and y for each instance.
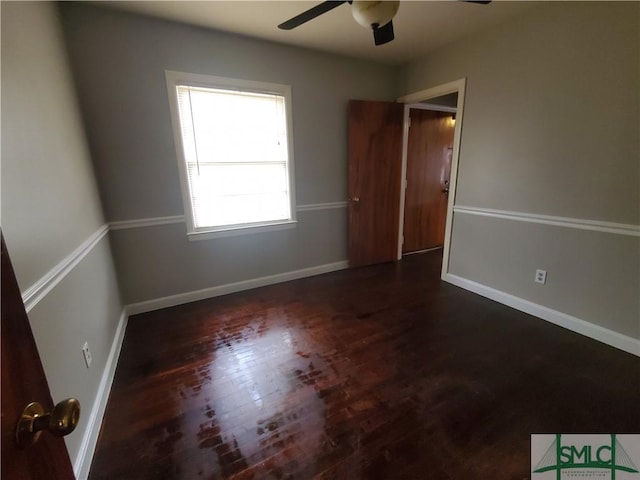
(265, 406)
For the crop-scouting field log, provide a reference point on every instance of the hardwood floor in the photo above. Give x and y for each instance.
(379, 372)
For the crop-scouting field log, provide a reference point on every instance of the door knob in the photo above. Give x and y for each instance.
(355, 199)
(61, 421)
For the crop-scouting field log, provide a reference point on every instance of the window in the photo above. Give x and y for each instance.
(233, 141)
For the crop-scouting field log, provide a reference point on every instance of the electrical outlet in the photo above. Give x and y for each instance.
(87, 354)
(541, 276)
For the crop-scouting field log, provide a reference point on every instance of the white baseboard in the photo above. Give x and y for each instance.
(82, 463)
(179, 299)
(604, 335)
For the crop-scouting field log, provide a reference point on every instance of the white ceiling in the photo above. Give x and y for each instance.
(420, 26)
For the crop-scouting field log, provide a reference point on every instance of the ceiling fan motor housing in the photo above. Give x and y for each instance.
(372, 14)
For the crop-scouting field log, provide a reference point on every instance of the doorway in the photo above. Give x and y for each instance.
(377, 159)
(447, 98)
(428, 166)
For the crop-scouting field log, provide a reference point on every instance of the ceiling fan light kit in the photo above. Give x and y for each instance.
(377, 16)
(374, 14)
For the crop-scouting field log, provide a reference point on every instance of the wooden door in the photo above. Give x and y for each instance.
(23, 382)
(375, 169)
(428, 167)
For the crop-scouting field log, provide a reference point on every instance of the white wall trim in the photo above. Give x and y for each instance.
(154, 221)
(146, 222)
(438, 91)
(36, 292)
(193, 296)
(601, 334)
(241, 230)
(583, 224)
(82, 462)
(322, 206)
(434, 107)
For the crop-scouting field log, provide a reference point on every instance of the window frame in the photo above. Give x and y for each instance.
(175, 79)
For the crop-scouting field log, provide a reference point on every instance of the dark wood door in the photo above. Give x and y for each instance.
(375, 169)
(23, 382)
(428, 168)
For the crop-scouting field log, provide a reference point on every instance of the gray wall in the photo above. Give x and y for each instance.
(119, 61)
(50, 205)
(551, 127)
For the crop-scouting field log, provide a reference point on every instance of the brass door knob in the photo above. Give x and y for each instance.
(355, 199)
(61, 421)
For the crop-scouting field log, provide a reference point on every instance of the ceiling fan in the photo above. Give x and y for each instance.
(376, 15)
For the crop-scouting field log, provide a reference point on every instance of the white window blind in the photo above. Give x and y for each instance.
(236, 156)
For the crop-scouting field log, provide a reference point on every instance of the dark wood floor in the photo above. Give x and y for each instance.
(379, 372)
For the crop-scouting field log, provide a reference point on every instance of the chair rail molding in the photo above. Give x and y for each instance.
(579, 223)
(36, 292)
(169, 220)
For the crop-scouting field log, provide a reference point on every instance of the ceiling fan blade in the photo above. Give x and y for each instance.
(310, 14)
(383, 34)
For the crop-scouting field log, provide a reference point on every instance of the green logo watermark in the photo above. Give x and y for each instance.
(585, 456)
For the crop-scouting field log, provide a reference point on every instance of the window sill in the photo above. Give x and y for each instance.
(196, 236)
